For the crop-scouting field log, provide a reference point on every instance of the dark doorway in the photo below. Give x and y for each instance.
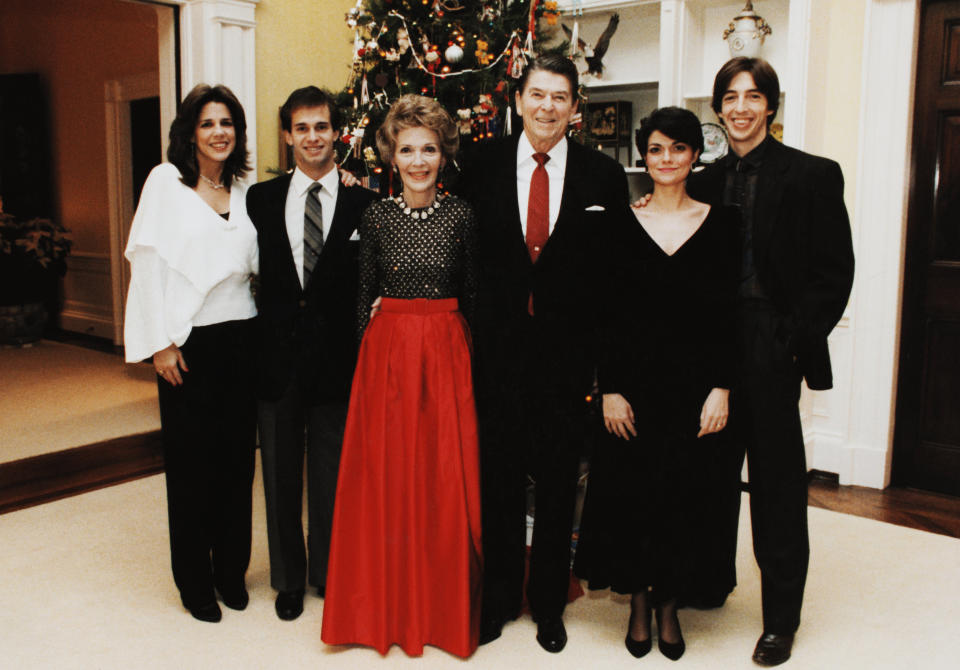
(25, 147)
(927, 439)
(145, 141)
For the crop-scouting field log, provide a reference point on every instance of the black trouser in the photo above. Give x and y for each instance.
(282, 443)
(766, 418)
(208, 432)
(542, 435)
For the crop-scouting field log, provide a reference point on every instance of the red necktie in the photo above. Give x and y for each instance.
(538, 213)
(538, 208)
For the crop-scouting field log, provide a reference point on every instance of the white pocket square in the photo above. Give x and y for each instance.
(355, 237)
(595, 208)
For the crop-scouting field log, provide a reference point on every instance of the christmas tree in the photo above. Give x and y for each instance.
(467, 54)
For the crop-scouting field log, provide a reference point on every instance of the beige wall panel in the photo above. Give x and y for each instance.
(299, 42)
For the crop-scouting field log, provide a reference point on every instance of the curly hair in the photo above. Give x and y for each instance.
(417, 111)
(182, 152)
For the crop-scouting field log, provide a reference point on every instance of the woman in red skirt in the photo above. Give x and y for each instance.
(405, 562)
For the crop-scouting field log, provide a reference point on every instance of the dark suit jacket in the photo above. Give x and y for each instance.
(554, 349)
(802, 248)
(308, 330)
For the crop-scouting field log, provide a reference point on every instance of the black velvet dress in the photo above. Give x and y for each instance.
(667, 340)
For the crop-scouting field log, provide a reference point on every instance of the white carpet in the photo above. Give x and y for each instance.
(86, 584)
(56, 396)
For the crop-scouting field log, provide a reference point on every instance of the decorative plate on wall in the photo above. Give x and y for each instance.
(714, 143)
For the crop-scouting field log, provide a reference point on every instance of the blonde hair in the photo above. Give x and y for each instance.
(417, 111)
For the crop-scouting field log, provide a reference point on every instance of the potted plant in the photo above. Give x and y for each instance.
(33, 255)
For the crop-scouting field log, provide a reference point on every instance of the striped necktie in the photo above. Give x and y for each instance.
(312, 231)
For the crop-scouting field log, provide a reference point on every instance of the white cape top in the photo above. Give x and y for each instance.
(188, 266)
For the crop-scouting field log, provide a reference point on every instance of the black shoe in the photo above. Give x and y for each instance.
(551, 634)
(672, 650)
(321, 591)
(491, 626)
(638, 649)
(773, 649)
(289, 604)
(209, 612)
(235, 599)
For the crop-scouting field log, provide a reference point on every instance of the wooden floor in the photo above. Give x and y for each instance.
(32, 481)
(932, 512)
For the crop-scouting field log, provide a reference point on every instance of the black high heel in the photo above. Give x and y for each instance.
(639, 648)
(672, 650)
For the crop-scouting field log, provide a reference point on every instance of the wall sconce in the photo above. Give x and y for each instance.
(746, 33)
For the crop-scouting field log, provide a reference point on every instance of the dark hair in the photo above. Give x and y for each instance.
(680, 125)
(555, 63)
(309, 96)
(182, 152)
(764, 76)
(417, 111)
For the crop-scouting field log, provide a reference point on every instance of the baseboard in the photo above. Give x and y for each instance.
(77, 319)
(39, 479)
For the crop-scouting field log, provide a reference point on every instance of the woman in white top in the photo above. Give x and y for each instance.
(192, 250)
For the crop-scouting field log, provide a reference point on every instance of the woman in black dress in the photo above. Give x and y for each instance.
(664, 373)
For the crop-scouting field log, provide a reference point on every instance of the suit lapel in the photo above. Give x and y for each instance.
(770, 186)
(571, 199)
(506, 189)
(277, 214)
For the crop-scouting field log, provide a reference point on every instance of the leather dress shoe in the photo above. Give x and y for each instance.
(491, 625)
(235, 599)
(772, 649)
(209, 612)
(321, 591)
(551, 634)
(289, 604)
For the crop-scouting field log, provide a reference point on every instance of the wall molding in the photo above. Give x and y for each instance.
(858, 445)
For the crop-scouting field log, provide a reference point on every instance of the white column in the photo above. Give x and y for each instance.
(861, 451)
(217, 40)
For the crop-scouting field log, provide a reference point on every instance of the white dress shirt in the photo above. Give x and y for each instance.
(300, 183)
(556, 170)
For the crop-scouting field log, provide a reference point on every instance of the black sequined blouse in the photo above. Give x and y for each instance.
(406, 257)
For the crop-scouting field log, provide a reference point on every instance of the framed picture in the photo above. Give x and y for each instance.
(610, 124)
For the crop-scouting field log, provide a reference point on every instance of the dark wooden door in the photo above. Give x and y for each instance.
(927, 444)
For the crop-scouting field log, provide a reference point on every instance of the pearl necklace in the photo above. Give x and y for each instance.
(214, 185)
(419, 213)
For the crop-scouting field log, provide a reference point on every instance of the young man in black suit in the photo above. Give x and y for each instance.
(796, 276)
(539, 231)
(306, 225)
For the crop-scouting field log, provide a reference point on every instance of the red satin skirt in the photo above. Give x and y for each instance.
(405, 562)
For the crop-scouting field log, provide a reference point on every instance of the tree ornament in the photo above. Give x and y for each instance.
(550, 12)
(464, 115)
(454, 53)
(432, 56)
(403, 40)
(372, 45)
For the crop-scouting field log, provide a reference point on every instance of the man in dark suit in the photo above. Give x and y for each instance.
(541, 202)
(796, 276)
(306, 225)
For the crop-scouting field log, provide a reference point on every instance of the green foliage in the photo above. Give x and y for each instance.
(402, 47)
(38, 240)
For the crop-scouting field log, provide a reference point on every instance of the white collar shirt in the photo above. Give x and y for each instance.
(556, 170)
(300, 184)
